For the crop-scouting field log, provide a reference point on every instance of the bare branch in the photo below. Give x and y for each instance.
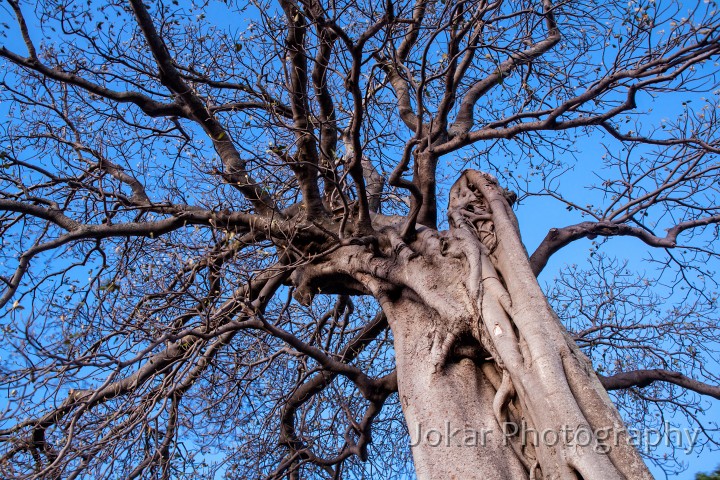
(643, 378)
(235, 172)
(558, 238)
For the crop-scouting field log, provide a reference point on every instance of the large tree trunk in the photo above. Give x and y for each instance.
(447, 400)
(490, 382)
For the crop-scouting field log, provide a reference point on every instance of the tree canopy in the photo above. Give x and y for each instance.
(174, 174)
(708, 476)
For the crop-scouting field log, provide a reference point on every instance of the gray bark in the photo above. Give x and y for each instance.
(481, 356)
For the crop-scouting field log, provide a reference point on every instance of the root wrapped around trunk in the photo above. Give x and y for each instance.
(490, 382)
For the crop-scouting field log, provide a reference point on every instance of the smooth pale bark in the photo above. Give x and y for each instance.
(448, 409)
(478, 349)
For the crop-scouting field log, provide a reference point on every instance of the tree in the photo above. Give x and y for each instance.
(710, 476)
(226, 246)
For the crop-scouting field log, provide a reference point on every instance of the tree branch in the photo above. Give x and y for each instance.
(557, 238)
(464, 120)
(643, 378)
(235, 172)
(149, 106)
(306, 163)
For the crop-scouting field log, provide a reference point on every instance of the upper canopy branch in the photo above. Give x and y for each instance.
(396, 70)
(305, 162)
(148, 105)
(263, 100)
(464, 120)
(643, 378)
(352, 134)
(328, 135)
(235, 172)
(557, 238)
(661, 70)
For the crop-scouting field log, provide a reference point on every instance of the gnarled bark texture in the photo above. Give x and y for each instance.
(490, 383)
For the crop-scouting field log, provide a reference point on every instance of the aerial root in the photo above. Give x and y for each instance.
(533, 470)
(502, 398)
